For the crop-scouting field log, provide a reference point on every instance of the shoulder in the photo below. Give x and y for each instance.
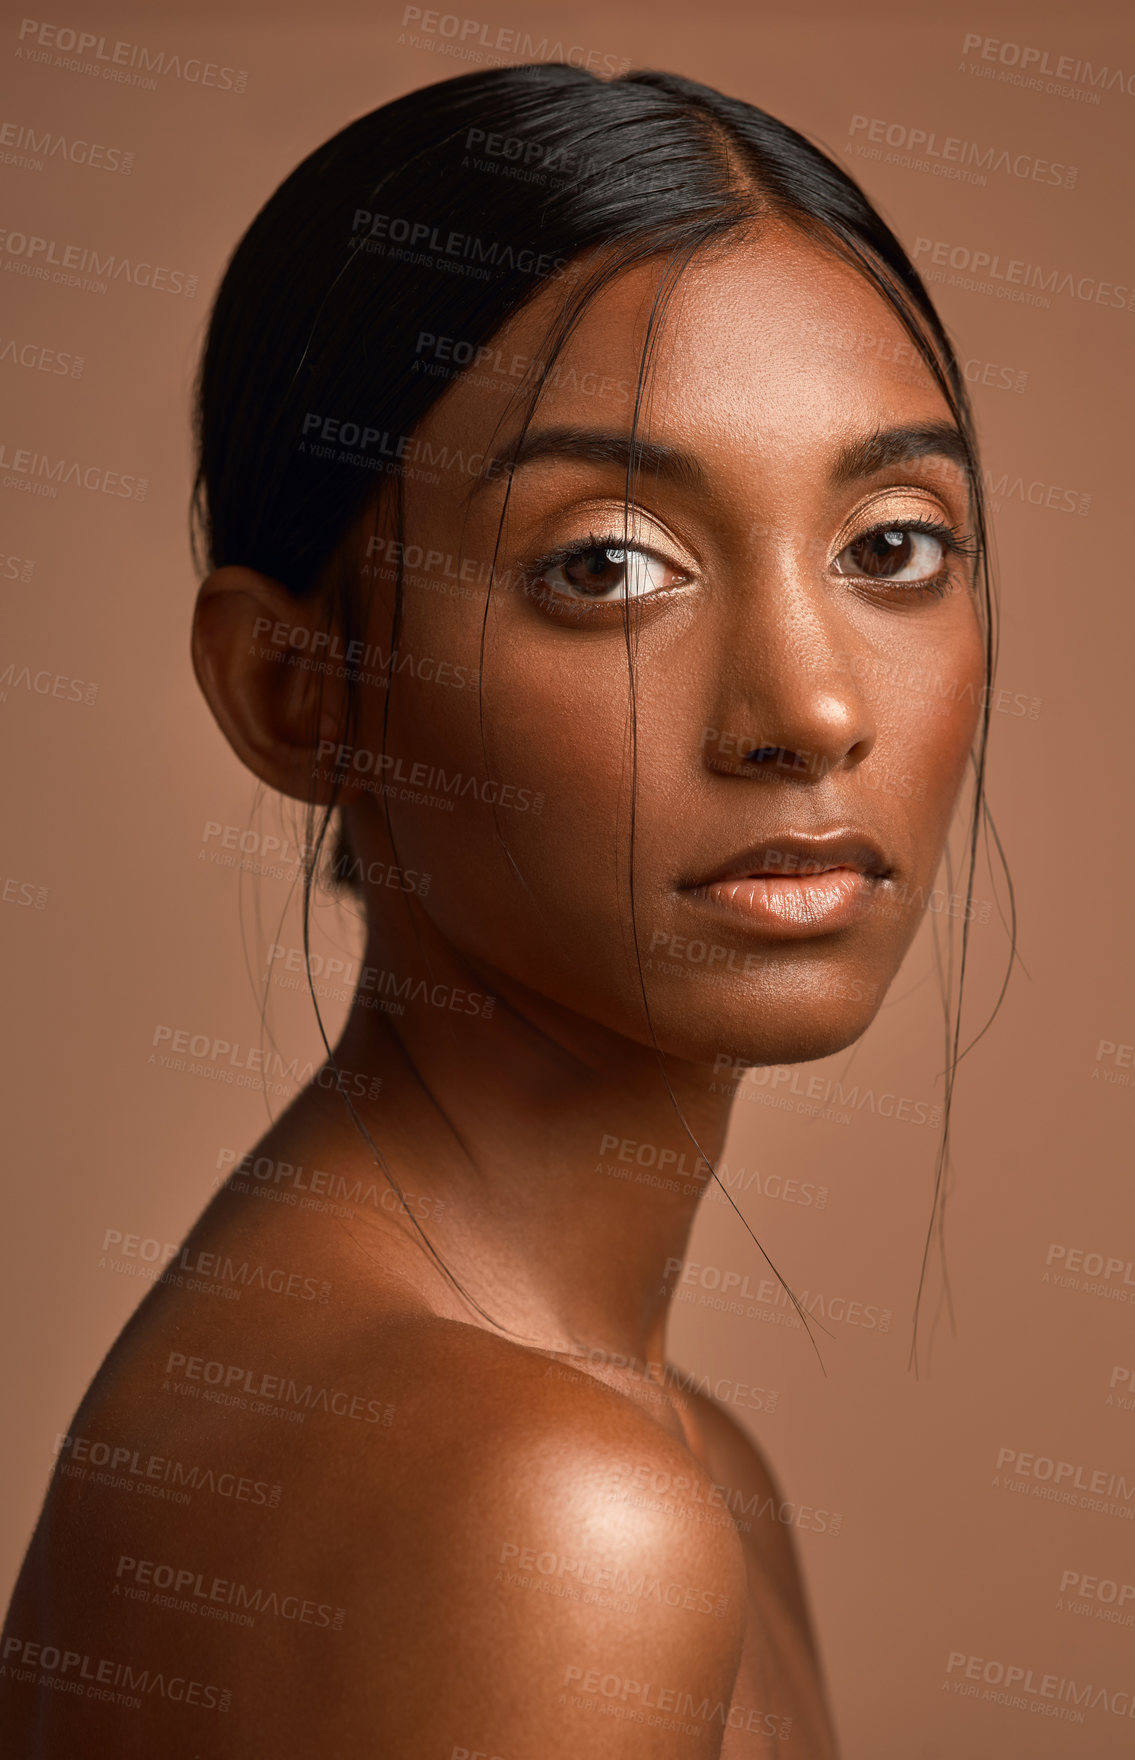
(507, 1547)
(491, 1431)
(765, 1517)
(561, 1551)
(729, 1445)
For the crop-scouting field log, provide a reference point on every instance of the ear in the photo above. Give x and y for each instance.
(256, 658)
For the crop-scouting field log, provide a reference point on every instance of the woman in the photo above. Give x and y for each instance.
(569, 567)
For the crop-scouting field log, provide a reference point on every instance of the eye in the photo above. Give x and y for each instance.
(909, 554)
(602, 571)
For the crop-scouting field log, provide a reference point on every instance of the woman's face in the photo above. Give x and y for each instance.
(804, 639)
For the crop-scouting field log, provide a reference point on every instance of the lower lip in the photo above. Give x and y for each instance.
(797, 904)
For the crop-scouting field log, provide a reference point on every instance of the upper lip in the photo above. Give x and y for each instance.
(793, 854)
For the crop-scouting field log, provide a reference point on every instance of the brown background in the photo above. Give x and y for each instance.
(109, 802)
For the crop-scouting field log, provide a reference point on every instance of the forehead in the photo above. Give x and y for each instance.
(770, 337)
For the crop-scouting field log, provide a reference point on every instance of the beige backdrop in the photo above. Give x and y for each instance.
(956, 1527)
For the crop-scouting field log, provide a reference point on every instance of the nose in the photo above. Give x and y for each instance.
(788, 701)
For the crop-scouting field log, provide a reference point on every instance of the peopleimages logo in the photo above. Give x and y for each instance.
(352, 762)
(46, 684)
(26, 253)
(472, 39)
(124, 63)
(1020, 276)
(636, 1483)
(485, 365)
(1115, 1062)
(924, 146)
(324, 648)
(194, 1591)
(17, 568)
(157, 1475)
(219, 1058)
(1069, 1482)
(32, 149)
(374, 230)
(1072, 1264)
(25, 893)
(1105, 1590)
(171, 1257)
(1028, 62)
(361, 980)
(41, 359)
(118, 1682)
(1035, 494)
(1019, 1681)
(590, 1687)
(234, 1384)
(823, 1089)
(735, 1289)
(567, 1575)
(49, 474)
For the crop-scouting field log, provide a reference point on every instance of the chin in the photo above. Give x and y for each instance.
(796, 1031)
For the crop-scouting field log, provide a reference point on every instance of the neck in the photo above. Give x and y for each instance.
(561, 1161)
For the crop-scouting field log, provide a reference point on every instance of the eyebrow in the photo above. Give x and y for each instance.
(889, 446)
(598, 446)
(857, 459)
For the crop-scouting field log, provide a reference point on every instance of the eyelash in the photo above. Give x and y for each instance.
(594, 542)
(954, 543)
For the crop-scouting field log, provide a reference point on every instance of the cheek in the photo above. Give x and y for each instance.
(932, 716)
(508, 793)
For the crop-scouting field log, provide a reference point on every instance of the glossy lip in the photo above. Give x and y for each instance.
(793, 887)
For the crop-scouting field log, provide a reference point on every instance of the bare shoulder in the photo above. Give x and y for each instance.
(407, 1537)
(539, 1437)
(728, 1444)
(765, 1517)
(575, 1613)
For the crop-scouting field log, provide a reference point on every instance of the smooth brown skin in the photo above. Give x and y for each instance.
(504, 1432)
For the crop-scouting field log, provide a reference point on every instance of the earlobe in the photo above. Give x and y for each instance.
(249, 638)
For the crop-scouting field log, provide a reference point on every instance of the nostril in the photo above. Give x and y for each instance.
(763, 754)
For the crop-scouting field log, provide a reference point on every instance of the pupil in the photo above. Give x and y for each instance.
(596, 571)
(887, 553)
